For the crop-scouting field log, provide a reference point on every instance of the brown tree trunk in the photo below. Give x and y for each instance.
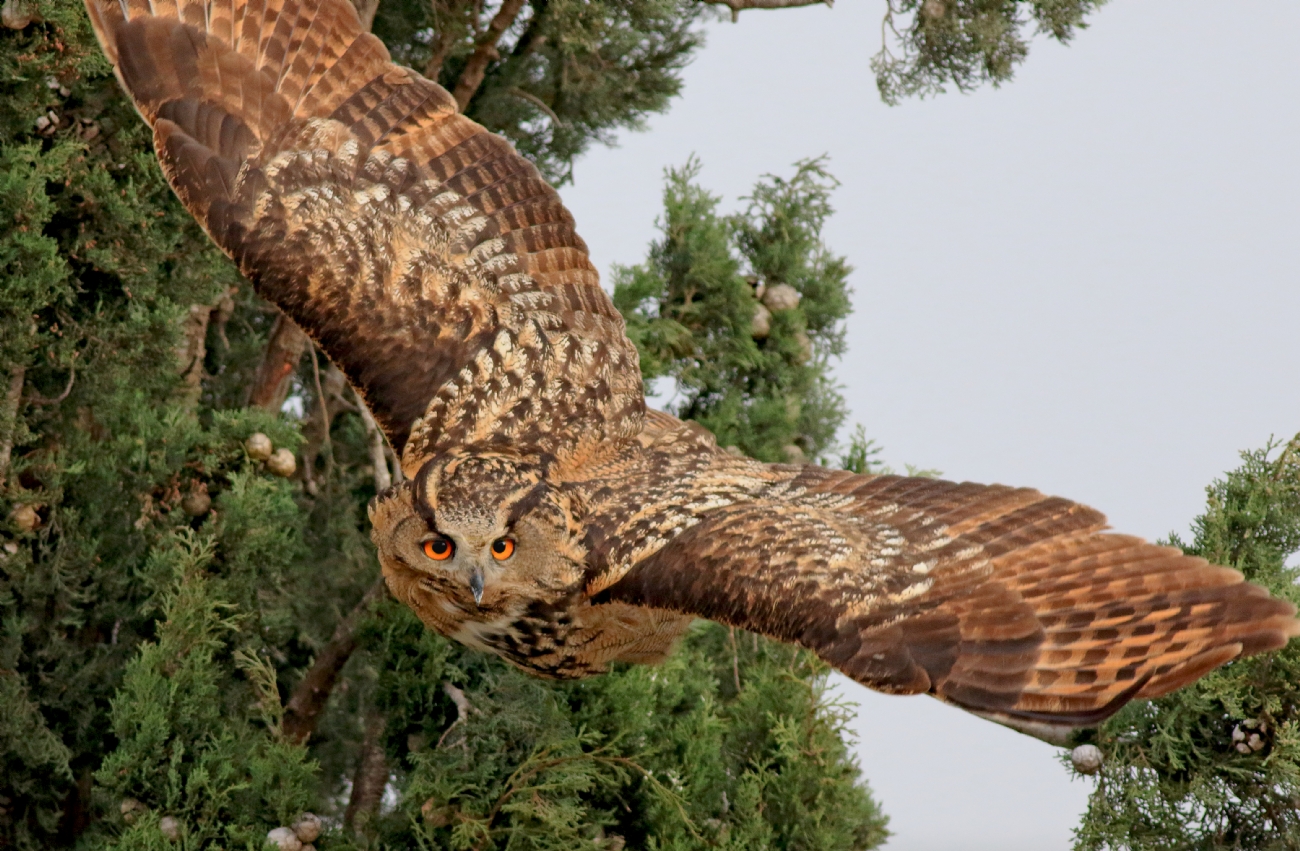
(192, 350)
(9, 418)
(284, 349)
(471, 77)
(313, 691)
(370, 779)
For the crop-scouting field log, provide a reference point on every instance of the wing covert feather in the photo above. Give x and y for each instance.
(1006, 602)
(429, 260)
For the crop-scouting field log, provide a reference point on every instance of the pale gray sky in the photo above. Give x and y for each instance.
(1084, 282)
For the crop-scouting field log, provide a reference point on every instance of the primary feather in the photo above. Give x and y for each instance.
(439, 271)
(428, 259)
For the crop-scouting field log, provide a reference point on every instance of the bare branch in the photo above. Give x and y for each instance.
(329, 393)
(284, 349)
(535, 101)
(457, 697)
(366, 12)
(532, 39)
(38, 399)
(370, 779)
(193, 349)
(221, 313)
(323, 404)
(441, 48)
(737, 6)
(313, 691)
(9, 418)
(735, 658)
(476, 68)
(378, 458)
(462, 710)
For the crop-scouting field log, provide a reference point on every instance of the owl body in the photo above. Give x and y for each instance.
(536, 608)
(547, 516)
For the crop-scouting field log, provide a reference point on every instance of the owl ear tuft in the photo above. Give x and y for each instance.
(383, 505)
(424, 498)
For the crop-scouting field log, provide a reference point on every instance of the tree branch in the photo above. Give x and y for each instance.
(319, 422)
(471, 77)
(532, 38)
(378, 458)
(537, 102)
(313, 691)
(737, 6)
(38, 400)
(9, 418)
(322, 404)
(193, 349)
(462, 710)
(370, 779)
(284, 349)
(441, 47)
(366, 12)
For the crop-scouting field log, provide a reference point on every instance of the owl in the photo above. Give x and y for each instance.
(546, 515)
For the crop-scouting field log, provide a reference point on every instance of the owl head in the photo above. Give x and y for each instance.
(474, 534)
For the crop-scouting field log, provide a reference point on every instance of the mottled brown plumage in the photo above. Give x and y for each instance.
(549, 518)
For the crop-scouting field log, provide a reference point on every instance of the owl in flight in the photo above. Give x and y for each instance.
(546, 515)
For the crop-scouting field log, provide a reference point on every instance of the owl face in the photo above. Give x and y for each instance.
(475, 536)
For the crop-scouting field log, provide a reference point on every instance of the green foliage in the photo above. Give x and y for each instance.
(863, 455)
(186, 745)
(567, 73)
(1180, 772)
(729, 743)
(162, 595)
(965, 43)
(170, 593)
(693, 309)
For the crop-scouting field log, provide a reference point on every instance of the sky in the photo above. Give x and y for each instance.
(1084, 282)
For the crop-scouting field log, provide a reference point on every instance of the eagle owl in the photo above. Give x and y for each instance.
(547, 516)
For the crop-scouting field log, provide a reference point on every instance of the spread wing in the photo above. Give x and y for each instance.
(430, 261)
(1008, 603)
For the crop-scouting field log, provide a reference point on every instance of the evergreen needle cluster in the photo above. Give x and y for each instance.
(193, 647)
(1216, 766)
(167, 593)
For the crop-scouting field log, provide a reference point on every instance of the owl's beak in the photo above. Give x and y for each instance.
(476, 584)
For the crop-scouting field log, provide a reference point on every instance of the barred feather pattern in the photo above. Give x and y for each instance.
(1006, 602)
(429, 260)
(446, 279)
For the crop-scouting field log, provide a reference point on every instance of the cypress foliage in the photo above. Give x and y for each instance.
(1217, 765)
(965, 43)
(165, 589)
(563, 74)
(743, 312)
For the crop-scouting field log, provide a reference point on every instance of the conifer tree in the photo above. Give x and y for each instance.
(195, 649)
(965, 43)
(1217, 765)
(744, 312)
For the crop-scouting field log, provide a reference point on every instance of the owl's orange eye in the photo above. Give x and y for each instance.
(439, 548)
(502, 549)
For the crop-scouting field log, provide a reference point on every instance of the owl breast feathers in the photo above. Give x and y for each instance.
(547, 516)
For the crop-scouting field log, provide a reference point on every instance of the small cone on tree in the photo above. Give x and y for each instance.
(258, 446)
(282, 463)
